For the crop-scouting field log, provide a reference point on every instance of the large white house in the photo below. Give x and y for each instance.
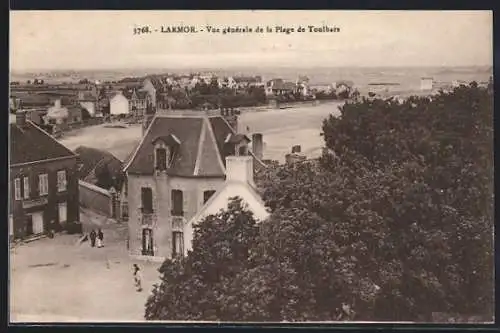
(184, 159)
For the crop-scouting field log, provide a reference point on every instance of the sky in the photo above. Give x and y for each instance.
(79, 40)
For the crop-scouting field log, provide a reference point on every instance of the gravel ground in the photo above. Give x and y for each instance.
(54, 280)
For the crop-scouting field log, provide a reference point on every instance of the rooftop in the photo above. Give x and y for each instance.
(32, 144)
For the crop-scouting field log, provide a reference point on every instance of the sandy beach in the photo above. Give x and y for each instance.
(281, 128)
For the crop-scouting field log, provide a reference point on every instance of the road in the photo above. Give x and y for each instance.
(60, 280)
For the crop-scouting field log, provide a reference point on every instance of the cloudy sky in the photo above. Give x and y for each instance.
(105, 39)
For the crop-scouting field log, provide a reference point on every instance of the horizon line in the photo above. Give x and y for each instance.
(232, 67)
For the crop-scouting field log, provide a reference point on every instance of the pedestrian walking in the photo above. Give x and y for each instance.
(137, 278)
(92, 236)
(100, 238)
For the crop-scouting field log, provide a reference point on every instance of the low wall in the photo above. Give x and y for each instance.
(95, 198)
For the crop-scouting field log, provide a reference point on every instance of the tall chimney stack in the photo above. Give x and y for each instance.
(240, 168)
(296, 149)
(257, 145)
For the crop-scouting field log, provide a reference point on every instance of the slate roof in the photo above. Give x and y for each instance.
(141, 94)
(156, 81)
(201, 151)
(245, 79)
(90, 158)
(31, 144)
(187, 130)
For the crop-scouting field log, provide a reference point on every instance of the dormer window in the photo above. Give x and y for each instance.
(161, 159)
(236, 145)
(165, 149)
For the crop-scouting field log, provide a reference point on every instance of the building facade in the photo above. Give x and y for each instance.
(179, 164)
(43, 182)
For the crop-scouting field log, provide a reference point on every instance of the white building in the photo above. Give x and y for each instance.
(118, 104)
(239, 182)
(426, 83)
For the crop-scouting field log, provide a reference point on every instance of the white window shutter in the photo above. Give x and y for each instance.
(26, 185)
(17, 189)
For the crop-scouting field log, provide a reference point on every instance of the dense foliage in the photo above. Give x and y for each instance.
(394, 222)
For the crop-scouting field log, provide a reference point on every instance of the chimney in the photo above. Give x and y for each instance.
(294, 158)
(57, 103)
(257, 145)
(21, 118)
(240, 168)
(296, 149)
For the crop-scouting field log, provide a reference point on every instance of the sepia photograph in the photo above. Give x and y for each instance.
(251, 166)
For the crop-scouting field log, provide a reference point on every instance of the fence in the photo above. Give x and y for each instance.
(98, 199)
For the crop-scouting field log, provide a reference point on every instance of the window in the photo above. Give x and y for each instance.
(161, 159)
(147, 242)
(177, 243)
(17, 189)
(207, 195)
(147, 200)
(43, 185)
(26, 185)
(61, 181)
(177, 203)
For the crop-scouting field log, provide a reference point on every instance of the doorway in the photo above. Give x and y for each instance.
(37, 223)
(63, 212)
(29, 225)
(147, 242)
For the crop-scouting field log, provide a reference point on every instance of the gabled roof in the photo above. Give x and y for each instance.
(245, 79)
(141, 94)
(192, 132)
(219, 201)
(32, 144)
(201, 150)
(90, 158)
(156, 82)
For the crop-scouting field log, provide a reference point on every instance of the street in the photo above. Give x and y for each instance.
(60, 280)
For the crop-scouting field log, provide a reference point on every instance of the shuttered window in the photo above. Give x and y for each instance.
(17, 189)
(177, 203)
(177, 243)
(161, 159)
(147, 200)
(61, 181)
(43, 184)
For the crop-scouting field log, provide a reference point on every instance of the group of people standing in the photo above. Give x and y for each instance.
(96, 238)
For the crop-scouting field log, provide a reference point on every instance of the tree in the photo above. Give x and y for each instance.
(394, 222)
(436, 154)
(195, 287)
